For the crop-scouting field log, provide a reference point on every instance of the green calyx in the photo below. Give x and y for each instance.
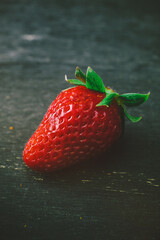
(92, 81)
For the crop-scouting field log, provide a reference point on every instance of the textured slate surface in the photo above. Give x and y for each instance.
(117, 196)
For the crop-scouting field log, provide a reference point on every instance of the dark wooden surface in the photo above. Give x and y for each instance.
(115, 197)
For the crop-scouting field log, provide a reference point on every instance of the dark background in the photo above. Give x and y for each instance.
(115, 197)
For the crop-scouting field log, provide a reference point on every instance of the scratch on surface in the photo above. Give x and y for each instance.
(38, 179)
(119, 178)
(151, 181)
(8, 160)
(86, 180)
(134, 191)
(18, 169)
(118, 190)
(2, 166)
(121, 173)
(108, 188)
(122, 191)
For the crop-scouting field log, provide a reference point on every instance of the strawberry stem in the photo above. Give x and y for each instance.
(108, 99)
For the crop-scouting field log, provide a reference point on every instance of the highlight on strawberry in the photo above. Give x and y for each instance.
(82, 122)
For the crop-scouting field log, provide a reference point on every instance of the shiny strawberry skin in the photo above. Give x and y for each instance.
(73, 129)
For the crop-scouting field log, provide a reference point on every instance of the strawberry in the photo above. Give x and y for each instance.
(81, 122)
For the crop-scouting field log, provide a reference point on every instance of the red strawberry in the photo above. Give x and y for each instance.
(81, 122)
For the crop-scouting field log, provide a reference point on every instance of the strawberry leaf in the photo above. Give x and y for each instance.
(75, 81)
(80, 75)
(133, 99)
(131, 118)
(107, 100)
(94, 82)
